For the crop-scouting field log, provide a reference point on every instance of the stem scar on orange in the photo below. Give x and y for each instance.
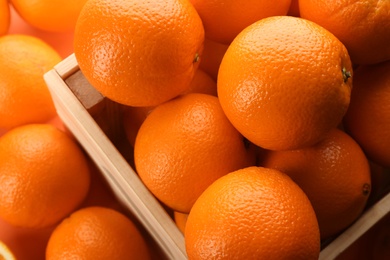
(284, 82)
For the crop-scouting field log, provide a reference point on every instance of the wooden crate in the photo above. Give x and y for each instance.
(93, 120)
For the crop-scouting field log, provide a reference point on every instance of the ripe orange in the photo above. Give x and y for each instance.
(362, 25)
(44, 175)
(97, 233)
(25, 243)
(62, 42)
(284, 82)
(223, 20)
(4, 17)
(368, 117)
(252, 213)
(334, 174)
(139, 52)
(133, 117)
(212, 55)
(184, 145)
(50, 15)
(24, 96)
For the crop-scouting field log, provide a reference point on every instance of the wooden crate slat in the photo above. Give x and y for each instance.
(124, 181)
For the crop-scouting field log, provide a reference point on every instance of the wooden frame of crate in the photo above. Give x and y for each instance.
(92, 119)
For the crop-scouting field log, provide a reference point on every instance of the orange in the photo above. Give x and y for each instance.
(4, 17)
(184, 145)
(180, 220)
(284, 82)
(62, 42)
(223, 20)
(334, 174)
(25, 243)
(212, 55)
(44, 175)
(24, 96)
(5, 253)
(362, 25)
(50, 15)
(97, 233)
(368, 117)
(252, 213)
(134, 116)
(139, 52)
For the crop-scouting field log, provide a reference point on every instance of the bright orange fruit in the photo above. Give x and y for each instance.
(50, 15)
(24, 96)
(362, 25)
(334, 174)
(97, 233)
(44, 175)
(139, 52)
(252, 213)
(284, 82)
(184, 145)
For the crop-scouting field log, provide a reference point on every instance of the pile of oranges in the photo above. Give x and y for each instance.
(54, 204)
(262, 127)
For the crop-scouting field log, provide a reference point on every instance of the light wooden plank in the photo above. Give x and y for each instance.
(67, 66)
(356, 230)
(121, 177)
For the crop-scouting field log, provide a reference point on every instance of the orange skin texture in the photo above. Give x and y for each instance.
(368, 117)
(281, 82)
(362, 25)
(184, 145)
(50, 15)
(129, 53)
(44, 176)
(252, 213)
(334, 174)
(224, 19)
(24, 96)
(5, 18)
(97, 233)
